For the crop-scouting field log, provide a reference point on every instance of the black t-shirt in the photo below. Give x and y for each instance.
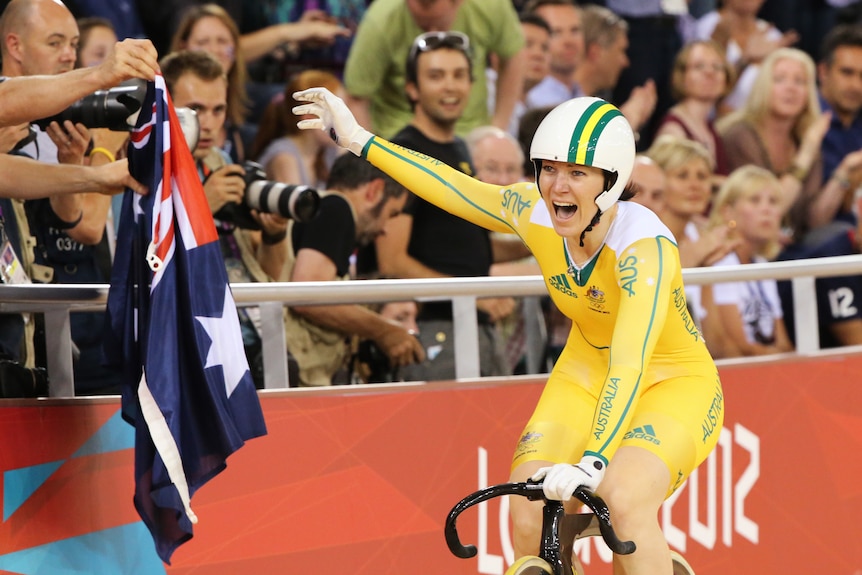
(439, 240)
(75, 263)
(331, 231)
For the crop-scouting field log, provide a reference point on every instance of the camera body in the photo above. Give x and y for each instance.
(372, 364)
(294, 202)
(375, 366)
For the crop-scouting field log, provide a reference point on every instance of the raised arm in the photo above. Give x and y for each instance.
(29, 98)
(431, 179)
(257, 44)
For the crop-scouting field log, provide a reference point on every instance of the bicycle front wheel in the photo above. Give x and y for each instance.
(680, 565)
(530, 565)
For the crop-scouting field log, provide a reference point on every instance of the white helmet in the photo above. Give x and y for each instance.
(590, 132)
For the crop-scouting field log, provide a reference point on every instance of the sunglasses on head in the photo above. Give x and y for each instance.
(433, 40)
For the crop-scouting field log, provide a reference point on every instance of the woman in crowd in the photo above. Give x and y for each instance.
(95, 41)
(750, 311)
(700, 78)
(287, 153)
(688, 170)
(208, 27)
(747, 40)
(633, 358)
(687, 166)
(781, 129)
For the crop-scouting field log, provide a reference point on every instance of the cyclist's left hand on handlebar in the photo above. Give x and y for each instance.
(333, 116)
(561, 480)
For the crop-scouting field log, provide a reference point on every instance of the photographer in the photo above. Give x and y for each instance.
(359, 201)
(196, 81)
(24, 178)
(43, 95)
(26, 27)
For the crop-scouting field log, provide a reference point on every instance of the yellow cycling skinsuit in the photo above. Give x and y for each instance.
(635, 370)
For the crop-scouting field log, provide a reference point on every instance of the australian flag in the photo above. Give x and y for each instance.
(174, 331)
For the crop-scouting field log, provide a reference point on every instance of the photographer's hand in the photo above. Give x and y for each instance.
(114, 178)
(130, 58)
(71, 140)
(333, 116)
(223, 186)
(11, 135)
(399, 345)
(271, 225)
(496, 307)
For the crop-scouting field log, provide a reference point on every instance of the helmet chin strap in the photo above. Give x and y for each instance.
(589, 228)
(609, 182)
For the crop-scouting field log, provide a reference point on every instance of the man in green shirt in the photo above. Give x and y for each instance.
(374, 75)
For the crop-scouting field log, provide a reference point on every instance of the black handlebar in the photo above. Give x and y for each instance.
(532, 491)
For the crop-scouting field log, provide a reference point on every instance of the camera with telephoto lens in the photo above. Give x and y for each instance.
(115, 109)
(293, 202)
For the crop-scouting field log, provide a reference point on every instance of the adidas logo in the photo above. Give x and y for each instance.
(561, 283)
(646, 433)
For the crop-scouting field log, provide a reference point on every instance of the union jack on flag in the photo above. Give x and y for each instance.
(174, 331)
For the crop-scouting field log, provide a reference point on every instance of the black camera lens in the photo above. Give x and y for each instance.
(114, 109)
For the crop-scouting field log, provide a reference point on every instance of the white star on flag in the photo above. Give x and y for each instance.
(136, 206)
(226, 349)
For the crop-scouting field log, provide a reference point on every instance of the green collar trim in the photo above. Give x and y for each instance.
(580, 275)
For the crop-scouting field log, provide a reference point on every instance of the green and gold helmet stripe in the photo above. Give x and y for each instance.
(582, 146)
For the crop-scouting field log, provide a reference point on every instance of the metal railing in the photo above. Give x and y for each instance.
(56, 302)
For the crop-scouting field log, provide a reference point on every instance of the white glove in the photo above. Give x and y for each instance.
(561, 480)
(333, 116)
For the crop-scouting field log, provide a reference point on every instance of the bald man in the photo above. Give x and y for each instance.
(649, 179)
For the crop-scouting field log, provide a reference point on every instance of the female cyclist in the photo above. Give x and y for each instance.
(634, 402)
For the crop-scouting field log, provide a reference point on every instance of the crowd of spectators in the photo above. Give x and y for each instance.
(749, 138)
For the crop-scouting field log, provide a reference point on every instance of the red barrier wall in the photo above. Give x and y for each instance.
(360, 481)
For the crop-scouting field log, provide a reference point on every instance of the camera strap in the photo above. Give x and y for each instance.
(11, 268)
(3, 237)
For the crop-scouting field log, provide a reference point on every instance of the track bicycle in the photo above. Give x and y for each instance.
(559, 530)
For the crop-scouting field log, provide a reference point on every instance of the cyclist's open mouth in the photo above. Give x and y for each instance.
(564, 211)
